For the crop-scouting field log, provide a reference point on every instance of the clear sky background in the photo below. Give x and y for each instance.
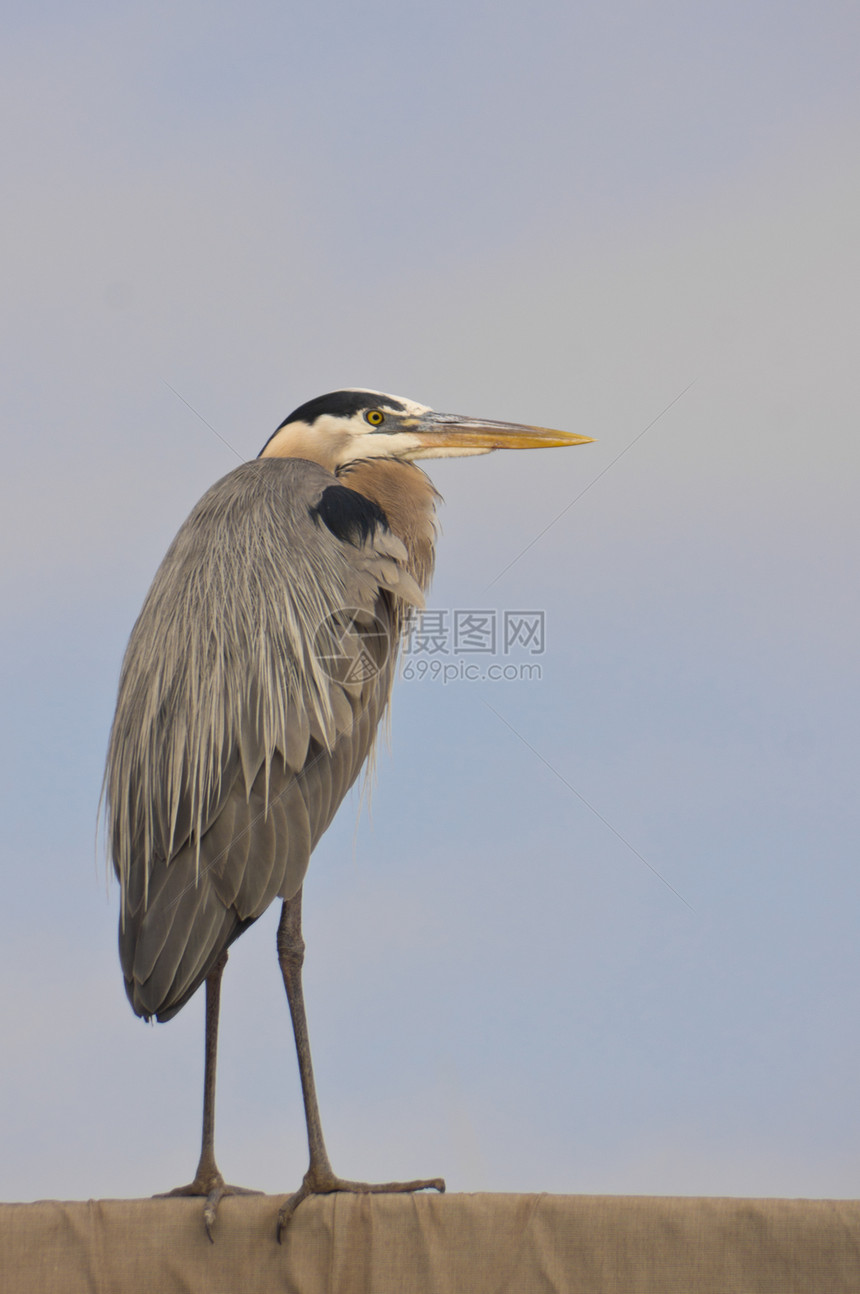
(564, 214)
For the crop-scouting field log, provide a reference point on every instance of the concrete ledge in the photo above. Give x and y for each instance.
(428, 1244)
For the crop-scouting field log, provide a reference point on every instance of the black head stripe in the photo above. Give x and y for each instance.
(342, 404)
(348, 514)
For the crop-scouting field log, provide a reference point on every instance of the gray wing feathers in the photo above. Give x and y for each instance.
(232, 747)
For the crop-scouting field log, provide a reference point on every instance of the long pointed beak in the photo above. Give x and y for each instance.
(449, 430)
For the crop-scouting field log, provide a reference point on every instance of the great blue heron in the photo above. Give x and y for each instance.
(250, 695)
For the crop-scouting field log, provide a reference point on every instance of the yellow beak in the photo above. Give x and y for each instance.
(449, 430)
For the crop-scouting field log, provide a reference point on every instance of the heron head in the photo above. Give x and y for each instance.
(355, 424)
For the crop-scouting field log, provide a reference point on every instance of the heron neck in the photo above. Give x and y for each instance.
(408, 499)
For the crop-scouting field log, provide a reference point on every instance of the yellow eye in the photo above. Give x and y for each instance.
(374, 417)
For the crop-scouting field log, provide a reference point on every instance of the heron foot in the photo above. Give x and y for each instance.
(325, 1183)
(212, 1186)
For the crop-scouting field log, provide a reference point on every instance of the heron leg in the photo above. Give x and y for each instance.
(208, 1180)
(320, 1178)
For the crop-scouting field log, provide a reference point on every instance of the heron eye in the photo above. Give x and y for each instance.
(374, 417)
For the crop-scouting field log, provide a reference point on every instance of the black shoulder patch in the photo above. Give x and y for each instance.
(348, 515)
(341, 404)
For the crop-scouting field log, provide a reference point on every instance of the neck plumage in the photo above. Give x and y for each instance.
(408, 499)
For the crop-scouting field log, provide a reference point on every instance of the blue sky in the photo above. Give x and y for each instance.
(563, 215)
